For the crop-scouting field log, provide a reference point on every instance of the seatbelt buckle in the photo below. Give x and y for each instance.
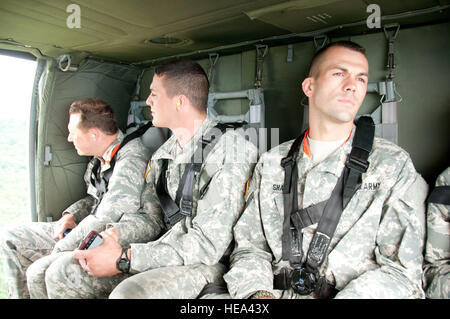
(359, 165)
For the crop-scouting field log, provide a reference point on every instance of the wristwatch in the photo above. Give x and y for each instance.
(123, 263)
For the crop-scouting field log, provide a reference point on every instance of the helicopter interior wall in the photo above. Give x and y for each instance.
(422, 75)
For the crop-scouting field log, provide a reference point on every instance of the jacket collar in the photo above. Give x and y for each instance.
(335, 162)
(172, 150)
(111, 151)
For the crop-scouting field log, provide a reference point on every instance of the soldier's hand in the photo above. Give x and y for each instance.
(64, 223)
(101, 261)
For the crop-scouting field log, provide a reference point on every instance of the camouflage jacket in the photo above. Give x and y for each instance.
(218, 201)
(122, 200)
(376, 251)
(437, 247)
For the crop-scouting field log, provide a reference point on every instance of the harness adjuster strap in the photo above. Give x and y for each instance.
(186, 206)
(173, 219)
(288, 160)
(196, 167)
(357, 163)
(205, 141)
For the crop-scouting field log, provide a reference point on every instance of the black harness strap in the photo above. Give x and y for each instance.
(357, 161)
(440, 195)
(326, 213)
(169, 207)
(139, 132)
(308, 216)
(327, 226)
(290, 195)
(174, 211)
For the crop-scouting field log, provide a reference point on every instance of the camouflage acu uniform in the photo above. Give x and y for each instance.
(376, 251)
(185, 258)
(437, 248)
(31, 244)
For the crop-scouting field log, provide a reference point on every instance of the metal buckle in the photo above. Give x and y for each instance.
(303, 281)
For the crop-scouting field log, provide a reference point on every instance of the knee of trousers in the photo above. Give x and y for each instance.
(64, 272)
(130, 288)
(26, 238)
(10, 249)
(7, 237)
(36, 272)
(212, 273)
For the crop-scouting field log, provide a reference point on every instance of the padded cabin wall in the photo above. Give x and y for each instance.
(424, 79)
(60, 183)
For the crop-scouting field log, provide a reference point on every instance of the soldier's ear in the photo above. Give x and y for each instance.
(308, 86)
(94, 133)
(180, 101)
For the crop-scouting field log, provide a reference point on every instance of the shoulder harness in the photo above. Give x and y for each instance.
(176, 210)
(440, 195)
(326, 213)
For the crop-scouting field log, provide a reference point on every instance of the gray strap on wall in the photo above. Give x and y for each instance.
(385, 115)
(261, 51)
(391, 39)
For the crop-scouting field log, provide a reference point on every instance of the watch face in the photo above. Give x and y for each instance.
(123, 265)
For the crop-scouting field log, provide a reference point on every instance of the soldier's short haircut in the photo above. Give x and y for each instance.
(95, 113)
(315, 62)
(185, 77)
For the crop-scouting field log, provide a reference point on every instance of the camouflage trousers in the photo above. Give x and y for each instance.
(175, 282)
(60, 276)
(64, 278)
(437, 281)
(20, 246)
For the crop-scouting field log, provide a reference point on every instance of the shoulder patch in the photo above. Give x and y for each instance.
(246, 187)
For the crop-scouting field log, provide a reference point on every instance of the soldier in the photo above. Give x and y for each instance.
(198, 222)
(93, 131)
(437, 248)
(374, 250)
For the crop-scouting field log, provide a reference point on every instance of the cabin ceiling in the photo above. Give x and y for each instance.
(123, 30)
